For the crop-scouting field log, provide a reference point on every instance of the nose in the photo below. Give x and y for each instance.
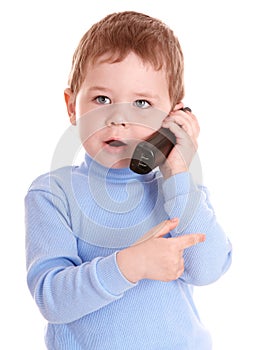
(114, 123)
(117, 115)
(116, 119)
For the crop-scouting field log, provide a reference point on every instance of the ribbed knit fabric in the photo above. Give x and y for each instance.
(77, 219)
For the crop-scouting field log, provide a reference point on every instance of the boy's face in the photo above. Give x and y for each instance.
(118, 105)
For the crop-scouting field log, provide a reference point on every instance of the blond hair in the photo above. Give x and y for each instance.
(121, 33)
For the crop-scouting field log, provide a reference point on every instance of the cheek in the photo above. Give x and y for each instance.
(89, 124)
(91, 146)
(148, 126)
(140, 133)
(91, 140)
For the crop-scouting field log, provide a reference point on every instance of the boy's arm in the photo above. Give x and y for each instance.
(64, 287)
(206, 262)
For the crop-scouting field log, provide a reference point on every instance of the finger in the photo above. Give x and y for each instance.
(181, 120)
(184, 122)
(194, 121)
(187, 241)
(178, 106)
(195, 124)
(184, 139)
(177, 130)
(160, 230)
(186, 119)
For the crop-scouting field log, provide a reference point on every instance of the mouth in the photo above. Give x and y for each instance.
(115, 143)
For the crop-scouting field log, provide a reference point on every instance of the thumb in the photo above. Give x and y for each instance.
(164, 227)
(159, 230)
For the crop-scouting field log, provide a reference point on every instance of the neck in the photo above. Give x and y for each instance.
(114, 174)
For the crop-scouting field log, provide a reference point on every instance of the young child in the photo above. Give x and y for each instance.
(112, 256)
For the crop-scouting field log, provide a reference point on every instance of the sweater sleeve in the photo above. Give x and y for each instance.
(64, 287)
(207, 261)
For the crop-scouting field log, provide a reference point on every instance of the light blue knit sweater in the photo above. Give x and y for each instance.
(77, 218)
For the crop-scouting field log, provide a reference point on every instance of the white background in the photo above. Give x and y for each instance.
(37, 42)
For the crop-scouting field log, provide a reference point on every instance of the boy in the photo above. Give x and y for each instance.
(112, 256)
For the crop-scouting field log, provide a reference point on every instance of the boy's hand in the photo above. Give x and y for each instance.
(185, 126)
(155, 257)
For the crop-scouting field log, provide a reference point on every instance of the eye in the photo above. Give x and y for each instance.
(102, 100)
(142, 104)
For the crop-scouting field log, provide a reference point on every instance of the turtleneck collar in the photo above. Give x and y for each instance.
(114, 174)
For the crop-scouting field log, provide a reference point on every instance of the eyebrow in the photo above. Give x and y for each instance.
(98, 88)
(147, 94)
(143, 94)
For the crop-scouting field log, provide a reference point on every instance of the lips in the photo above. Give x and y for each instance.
(115, 143)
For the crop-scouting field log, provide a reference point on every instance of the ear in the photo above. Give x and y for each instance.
(70, 104)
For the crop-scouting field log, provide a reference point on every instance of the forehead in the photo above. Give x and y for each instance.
(131, 66)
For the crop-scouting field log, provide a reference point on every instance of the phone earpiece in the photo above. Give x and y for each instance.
(186, 109)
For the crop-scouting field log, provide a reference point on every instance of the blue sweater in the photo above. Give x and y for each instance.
(77, 219)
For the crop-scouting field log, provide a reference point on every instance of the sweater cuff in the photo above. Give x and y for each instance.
(111, 277)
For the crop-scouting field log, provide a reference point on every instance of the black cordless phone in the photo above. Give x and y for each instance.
(150, 153)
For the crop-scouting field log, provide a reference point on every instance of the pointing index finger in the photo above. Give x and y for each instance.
(187, 241)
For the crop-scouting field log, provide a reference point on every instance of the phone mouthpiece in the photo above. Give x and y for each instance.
(150, 153)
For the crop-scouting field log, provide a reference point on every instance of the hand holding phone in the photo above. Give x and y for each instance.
(149, 153)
